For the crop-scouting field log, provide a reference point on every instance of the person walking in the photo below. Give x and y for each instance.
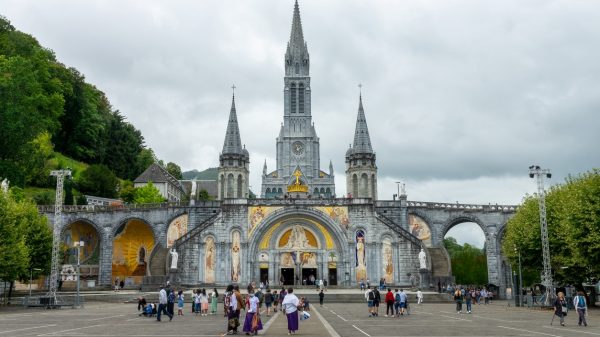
(389, 301)
(214, 297)
(171, 301)
(468, 300)
(290, 304)
(370, 297)
(162, 305)
(396, 303)
(282, 294)
(275, 300)
(116, 285)
(419, 296)
(204, 302)
(180, 301)
(560, 307)
(403, 302)
(458, 299)
(268, 298)
(252, 322)
(580, 304)
(233, 311)
(321, 297)
(376, 301)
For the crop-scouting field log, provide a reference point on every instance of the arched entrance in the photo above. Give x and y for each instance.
(133, 242)
(465, 240)
(89, 253)
(296, 248)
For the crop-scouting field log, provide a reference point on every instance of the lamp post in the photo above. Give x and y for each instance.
(520, 287)
(31, 278)
(78, 245)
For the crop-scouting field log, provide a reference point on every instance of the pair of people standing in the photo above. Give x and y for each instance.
(373, 298)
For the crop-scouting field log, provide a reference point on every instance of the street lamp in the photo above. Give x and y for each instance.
(520, 287)
(78, 245)
(31, 278)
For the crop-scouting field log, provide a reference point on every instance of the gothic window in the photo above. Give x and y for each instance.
(222, 186)
(231, 163)
(316, 191)
(279, 191)
(322, 190)
(355, 186)
(328, 192)
(363, 189)
(239, 186)
(373, 187)
(301, 99)
(297, 68)
(293, 98)
(230, 186)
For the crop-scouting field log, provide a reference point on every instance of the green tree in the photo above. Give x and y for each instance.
(573, 218)
(174, 170)
(469, 264)
(148, 194)
(127, 191)
(38, 239)
(203, 195)
(13, 247)
(98, 180)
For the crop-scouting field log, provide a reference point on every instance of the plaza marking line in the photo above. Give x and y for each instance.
(269, 322)
(355, 327)
(101, 318)
(328, 326)
(30, 328)
(529, 331)
(565, 329)
(57, 332)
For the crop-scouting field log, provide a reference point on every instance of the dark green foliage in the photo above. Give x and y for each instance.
(148, 194)
(98, 180)
(42, 102)
(174, 170)
(127, 191)
(469, 264)
(203, 195)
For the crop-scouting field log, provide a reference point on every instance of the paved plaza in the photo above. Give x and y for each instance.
(336, 319)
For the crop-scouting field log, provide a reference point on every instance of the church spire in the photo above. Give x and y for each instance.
(296, 55)
(362, 140)
(233, 143)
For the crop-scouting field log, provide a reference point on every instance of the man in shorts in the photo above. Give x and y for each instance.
(376, 301)
(370, 297)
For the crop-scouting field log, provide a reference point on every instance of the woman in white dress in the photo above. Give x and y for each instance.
(290, 305)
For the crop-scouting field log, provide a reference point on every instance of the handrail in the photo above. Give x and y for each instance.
(130, 207)
(405, 233)
(201, 226)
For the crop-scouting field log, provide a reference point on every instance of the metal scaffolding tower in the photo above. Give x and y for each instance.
(54, 273)
(539, 173)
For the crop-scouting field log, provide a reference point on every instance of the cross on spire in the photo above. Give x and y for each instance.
(233, 89)
(360, 89)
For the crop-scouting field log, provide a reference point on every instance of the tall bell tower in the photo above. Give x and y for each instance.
(298, 156)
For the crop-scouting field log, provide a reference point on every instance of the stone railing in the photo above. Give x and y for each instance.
(125, 207)
(465, 207)
(309, 202)
(393, 225)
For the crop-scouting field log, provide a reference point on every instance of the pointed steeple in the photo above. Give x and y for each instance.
(330, 168)
(265, 168)
(296, 56)
(362, 140)
(296, 37)
(233, 143)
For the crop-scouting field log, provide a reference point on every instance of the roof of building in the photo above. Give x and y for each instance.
(233, 142)
(362, 140)
(158, 174)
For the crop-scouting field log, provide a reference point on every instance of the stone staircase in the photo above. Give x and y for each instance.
(158, 261)
(441, 266)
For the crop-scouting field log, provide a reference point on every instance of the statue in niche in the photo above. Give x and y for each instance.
(422, 259)
(174, 258)
(4, 185)
(298, 239)
(361, 263)
(235, 257)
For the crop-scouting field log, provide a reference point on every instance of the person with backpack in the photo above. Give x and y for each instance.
(580, 305)
(389, 301)
(370, 297)
(282, 294)
(376, 301)
(171, 301)
(397, 303)
(275, 300)
(261, 298)
(268, 298)
(458, 299)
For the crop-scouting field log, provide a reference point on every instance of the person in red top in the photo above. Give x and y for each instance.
(389, 300)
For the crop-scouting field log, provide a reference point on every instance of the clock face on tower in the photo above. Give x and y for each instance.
(297, 148)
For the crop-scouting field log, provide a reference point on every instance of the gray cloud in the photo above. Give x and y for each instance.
(461, 97)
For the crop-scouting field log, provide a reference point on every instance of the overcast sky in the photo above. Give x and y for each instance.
(460, 96)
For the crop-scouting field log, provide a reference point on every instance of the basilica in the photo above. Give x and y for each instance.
(298, 228)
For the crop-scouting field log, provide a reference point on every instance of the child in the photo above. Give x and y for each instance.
(180, 301)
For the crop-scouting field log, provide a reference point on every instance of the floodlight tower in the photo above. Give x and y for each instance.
(539, 173)
(58, 205)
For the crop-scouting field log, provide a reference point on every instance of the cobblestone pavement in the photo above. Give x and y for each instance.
(336, 319)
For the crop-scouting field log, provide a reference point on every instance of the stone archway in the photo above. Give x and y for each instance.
(85, 231)
(133, 241)
(298, 243)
